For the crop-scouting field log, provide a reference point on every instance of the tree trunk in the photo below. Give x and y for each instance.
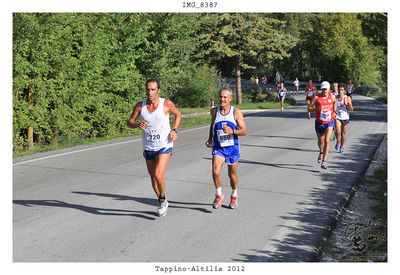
(30, 128)
(238, 83)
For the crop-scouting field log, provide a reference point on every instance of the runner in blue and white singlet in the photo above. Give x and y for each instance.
(225, 144)
(227, 124)
(282, 94)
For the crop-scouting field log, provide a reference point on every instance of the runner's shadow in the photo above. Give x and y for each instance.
(280, 165)
(88, 209)
(279, 137)
(277, 165)
(149, 201)
(282, 148)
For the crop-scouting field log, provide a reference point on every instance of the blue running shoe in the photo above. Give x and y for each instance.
(341, 150)
(320, 157)
(337, 146)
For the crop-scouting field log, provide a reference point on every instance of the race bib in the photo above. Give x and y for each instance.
(225, 139)
(325, 116)
(310, 93)
(153, 136)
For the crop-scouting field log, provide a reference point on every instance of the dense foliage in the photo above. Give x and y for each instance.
(80, 74)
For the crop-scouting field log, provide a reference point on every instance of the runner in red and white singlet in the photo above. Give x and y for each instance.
(325, 107)
(311, 92)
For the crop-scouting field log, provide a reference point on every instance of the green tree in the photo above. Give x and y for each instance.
(336, 47)
(79, 74)
(246, 40)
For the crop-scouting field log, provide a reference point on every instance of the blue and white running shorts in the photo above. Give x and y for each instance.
(151, 155)
(321, 127)
(230, 154)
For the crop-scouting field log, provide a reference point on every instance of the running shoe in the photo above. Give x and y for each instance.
(162, 208)
(309, 116)
(323, 165)
(233, 204)
(218, 201)
(337, 146)
(334, 137)
(341, 150)
(320, 157)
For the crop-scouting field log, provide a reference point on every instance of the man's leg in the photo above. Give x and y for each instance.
(232, 171)
(151, 168)
(320, 142)
(160, 167)
(328, 133)
(343, 135)
(217, 163)
(233, 177)
(338, 133)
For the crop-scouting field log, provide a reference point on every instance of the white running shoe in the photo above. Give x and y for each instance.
(162, 208)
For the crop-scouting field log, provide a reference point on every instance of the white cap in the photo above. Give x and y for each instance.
(325, 85)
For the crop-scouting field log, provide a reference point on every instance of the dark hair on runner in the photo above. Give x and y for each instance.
(342, 85)
(153, 80)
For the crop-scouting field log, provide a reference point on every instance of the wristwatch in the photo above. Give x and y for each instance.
(175, 130)
(234, 131)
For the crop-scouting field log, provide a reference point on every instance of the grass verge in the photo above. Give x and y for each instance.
(185, 122)
(361, 241)
(382, 97)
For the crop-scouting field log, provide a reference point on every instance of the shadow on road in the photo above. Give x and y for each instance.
(307, 225)
(282, 148)
(113, 212)
(148, 201)
(295, 166)
(87, 209)
(368, 110)
(280, 137)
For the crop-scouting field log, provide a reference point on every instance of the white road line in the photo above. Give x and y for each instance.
(94, 148)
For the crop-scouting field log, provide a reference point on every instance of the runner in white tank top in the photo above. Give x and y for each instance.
(344, 106)
(157, 136)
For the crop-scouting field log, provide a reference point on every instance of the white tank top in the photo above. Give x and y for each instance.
(342, 112)
(156, 134)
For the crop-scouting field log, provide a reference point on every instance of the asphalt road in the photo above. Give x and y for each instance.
(95, 203)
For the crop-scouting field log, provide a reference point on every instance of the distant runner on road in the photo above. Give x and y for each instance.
(344, 106)
(157, 136)
(349, 89)
(296, 86)
(264, 81)
(282, 94)
(335, 91)
(311, 92)
(324, 105)
(227, 124)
